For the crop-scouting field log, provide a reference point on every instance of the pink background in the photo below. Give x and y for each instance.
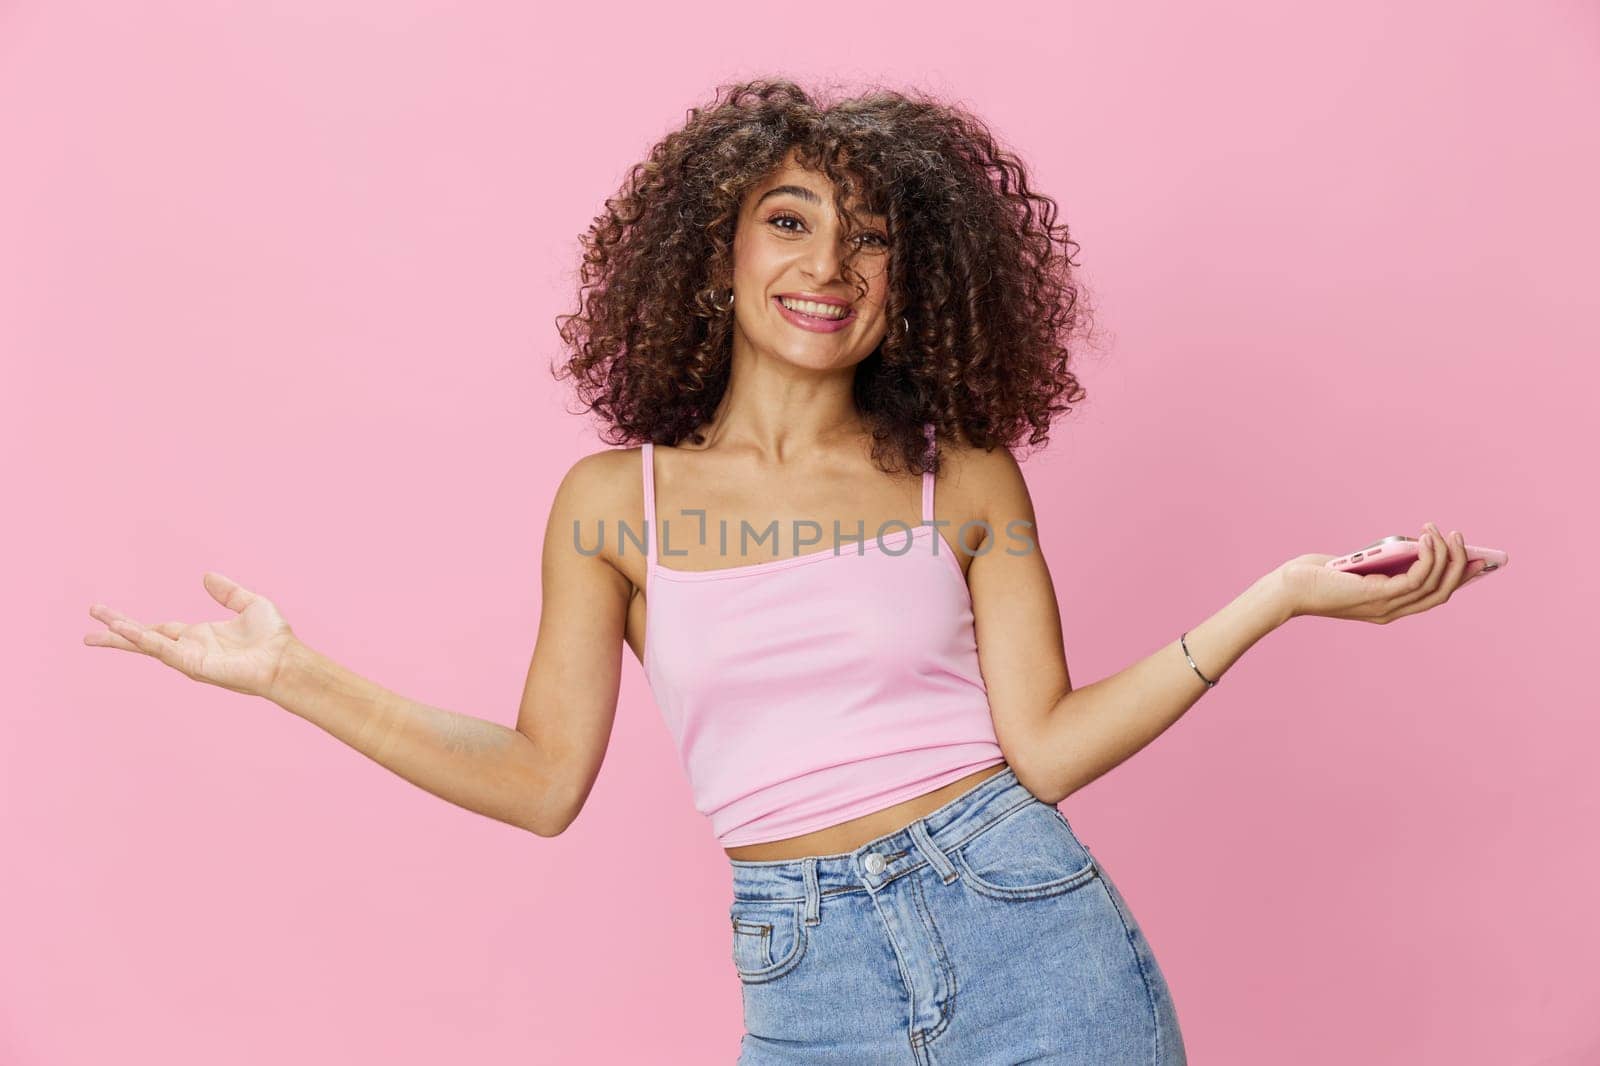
(277, 297)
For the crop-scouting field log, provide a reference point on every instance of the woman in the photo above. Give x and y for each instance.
(817, 318)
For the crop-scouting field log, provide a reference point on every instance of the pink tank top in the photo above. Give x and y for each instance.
(810, 690)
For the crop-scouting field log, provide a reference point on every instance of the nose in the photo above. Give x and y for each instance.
(823, 260)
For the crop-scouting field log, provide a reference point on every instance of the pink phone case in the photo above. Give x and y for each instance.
(1394, 555)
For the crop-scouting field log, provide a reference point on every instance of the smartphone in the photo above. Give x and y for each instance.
(1394, 555)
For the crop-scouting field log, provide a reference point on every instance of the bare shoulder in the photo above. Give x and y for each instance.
(596, 482)
(601, 490)
(985, 484)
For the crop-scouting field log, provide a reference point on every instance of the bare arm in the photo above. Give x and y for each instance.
(1092, 729)
(535, 776)
(472, 762)
(1058, 738)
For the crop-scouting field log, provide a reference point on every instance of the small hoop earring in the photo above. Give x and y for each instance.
(719, 307)
(906, 324)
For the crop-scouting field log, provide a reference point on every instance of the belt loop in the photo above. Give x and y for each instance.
(919, 833)
(813, 897)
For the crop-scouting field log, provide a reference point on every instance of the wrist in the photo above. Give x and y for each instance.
(1274, 597)
(295, 662)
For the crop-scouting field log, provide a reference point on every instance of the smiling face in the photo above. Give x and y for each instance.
(792, 296)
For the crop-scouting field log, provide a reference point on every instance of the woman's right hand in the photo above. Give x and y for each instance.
(242, 653)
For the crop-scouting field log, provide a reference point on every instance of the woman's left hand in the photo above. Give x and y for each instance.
(1313, 589)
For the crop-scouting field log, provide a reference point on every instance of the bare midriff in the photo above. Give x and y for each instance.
(848, 836)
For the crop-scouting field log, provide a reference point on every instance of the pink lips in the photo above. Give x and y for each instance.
(813, 323)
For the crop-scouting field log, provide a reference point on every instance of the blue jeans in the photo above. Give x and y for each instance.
(982, 934)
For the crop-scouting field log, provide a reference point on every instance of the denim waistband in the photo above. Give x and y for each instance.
(882, 860)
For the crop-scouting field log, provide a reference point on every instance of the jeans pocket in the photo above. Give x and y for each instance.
(769, 938)
(1030, 853)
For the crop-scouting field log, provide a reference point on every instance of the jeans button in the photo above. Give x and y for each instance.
(875, 863)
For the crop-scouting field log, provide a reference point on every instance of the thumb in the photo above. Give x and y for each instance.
(227, 592)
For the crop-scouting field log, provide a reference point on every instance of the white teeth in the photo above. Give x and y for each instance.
(806, 307)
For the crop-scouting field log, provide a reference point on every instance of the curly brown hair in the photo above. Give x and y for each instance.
(977, 265)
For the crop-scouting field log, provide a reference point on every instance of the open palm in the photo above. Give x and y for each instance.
(241, 653)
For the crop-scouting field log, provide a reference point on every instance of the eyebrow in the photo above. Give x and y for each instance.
(793, 190)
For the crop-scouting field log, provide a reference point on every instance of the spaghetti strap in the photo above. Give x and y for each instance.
(760, 672)
(647, 453)
(927, 476)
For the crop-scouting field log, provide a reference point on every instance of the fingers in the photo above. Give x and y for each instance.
(1416, 575)
(129, 635)
(1456, 570)
(148, 641)
(1439, 559)
(1402, 590)
(1424, 575)
(1447, 566)
(107, 639)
